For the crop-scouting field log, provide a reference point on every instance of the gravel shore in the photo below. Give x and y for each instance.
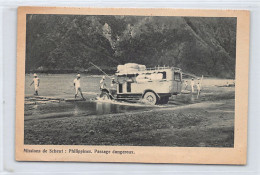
(198, 125)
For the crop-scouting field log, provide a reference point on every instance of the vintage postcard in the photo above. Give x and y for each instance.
(132, 85)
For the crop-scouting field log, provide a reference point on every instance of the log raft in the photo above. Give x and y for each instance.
(34, 100)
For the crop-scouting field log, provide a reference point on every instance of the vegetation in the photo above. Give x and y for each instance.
(67, 43)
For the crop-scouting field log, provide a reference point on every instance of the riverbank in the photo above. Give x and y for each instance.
(194, 126)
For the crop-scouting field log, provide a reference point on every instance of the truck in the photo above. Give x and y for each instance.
(151, 85)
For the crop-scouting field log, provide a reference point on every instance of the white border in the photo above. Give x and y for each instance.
(1, 97)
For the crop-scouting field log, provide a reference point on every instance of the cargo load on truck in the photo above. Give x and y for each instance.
(129, 68)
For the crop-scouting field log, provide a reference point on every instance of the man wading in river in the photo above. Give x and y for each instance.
(113, 87)
(77, 87)
(192, 85)
(102, 84)
(198, 88)
(36, 82)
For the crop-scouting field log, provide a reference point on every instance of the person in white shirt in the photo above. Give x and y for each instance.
(76, 83)
(102, 83)
(113, 87)
(192, 85)
(36, 82)
(198, 89)
(185, 85)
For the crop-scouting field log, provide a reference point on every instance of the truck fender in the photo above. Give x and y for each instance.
(150, 90)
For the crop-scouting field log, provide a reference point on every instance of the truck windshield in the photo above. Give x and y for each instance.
(177, 76)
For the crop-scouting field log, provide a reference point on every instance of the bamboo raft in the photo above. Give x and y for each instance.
(34, 100)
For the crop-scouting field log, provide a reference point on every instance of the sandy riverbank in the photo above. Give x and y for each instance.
(205, 124)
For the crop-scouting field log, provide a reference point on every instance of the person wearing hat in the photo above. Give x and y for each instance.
(185, 85)
(36, 82)
(198, 89)
(77, 87)
(102, 84)
(192, 85)
(113, 87)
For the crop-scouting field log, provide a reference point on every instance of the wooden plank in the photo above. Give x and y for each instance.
(29, 96)
(45, 99)
(39, 97)
(49, 97)
(73, 99)
(29, 103)
(41, 102)
(42, 99)
(28, 100)
(54, 98)
(54, 101)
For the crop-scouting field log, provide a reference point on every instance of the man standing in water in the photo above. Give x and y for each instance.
(185, 85)
(102, 83)
(77, 87)
(198, 89)
(113, 87)
(192, 85)
(36, 82)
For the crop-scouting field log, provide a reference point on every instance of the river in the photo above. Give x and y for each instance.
(61, 86)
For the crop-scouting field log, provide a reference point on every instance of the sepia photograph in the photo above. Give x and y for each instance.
(130, 80)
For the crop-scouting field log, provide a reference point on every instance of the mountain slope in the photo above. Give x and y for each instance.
(67, 43)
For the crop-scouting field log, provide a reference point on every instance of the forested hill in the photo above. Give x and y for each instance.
(67, 43)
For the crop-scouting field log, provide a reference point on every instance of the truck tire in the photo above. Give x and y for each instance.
(150, 98)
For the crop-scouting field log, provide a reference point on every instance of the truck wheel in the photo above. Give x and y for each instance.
(150, 98)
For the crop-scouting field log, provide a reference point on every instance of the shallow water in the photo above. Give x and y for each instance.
(61, 85)
(79, 108)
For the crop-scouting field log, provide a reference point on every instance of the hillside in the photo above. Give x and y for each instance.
(67, 43)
